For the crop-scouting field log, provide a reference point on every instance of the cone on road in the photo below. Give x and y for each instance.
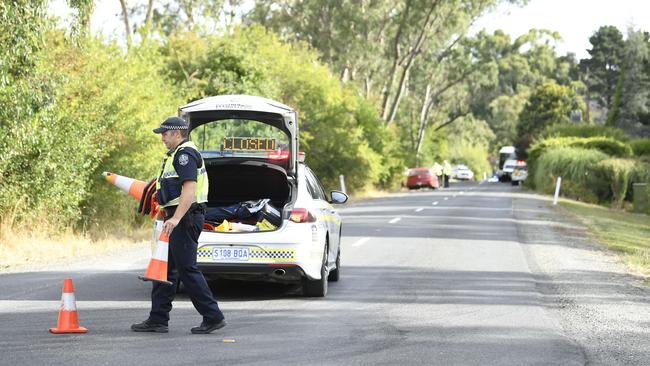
(157, 269)
(68, 320)
(131, 186)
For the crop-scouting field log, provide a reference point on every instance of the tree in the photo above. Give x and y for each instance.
(548, 105)
(253, 60)
(375, 42)
(634, 93)
(522, 64)
(601, 71)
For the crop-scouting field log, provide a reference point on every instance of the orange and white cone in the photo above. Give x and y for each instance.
(68, 320)
(131, 186)
(157, 269)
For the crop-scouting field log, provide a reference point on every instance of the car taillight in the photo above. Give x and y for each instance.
(301, 215)
(275, 156)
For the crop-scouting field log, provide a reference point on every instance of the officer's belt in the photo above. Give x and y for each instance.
(200, 207)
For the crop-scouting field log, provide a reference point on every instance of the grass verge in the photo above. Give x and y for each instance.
(626, 233)
(40, 245)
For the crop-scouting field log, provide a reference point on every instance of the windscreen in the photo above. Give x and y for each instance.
(419, 172)
(242, 138)
(506, 156)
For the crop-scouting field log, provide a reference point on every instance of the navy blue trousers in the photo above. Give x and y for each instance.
(183, 244)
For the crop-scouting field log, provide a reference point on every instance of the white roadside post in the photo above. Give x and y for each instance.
(557, 189)
(342, 181)
(484, 176)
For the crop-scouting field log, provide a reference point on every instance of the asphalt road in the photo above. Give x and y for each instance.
(448, 277)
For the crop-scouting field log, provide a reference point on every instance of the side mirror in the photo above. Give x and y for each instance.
(338, 197)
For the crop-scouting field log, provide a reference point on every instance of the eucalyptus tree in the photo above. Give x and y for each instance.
(522, 64)
(376, 43)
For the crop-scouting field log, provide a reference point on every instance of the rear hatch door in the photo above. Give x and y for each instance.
(244, 128)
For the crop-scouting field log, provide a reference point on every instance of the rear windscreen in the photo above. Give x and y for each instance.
(228, 138)
(419, 171)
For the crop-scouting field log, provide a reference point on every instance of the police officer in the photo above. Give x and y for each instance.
(446, 171)
(182, 190)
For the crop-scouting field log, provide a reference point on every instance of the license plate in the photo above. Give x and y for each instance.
(230, 254)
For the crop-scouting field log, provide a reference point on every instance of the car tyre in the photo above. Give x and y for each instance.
(335, 273)
(317, 288)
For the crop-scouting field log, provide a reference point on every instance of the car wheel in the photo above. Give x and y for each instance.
(335, 273)
(317, 288)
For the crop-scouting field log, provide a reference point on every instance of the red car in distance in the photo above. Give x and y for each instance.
(421, 177)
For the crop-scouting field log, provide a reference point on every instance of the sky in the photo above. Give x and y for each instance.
(575, 20)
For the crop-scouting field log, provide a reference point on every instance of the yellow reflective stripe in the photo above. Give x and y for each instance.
(168, 171)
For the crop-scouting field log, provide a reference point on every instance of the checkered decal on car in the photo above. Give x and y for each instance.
(284, 254)
(204, 254)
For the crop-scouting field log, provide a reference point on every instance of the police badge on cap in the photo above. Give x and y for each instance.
(172, 123)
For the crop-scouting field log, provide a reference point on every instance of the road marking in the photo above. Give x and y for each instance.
(435, 203)
(446, 198)
(419, 209)
(461, 192)
(360, 242)
(394, 220)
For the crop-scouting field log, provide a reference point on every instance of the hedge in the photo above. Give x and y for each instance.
(606, 145)
(575, 166)
(641, 147)
(581, 130)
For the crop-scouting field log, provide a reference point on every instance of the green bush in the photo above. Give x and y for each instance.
(91, 124)
(641, 147)
(607, 145)
(582, 130)
(574, 165)
(617, 173)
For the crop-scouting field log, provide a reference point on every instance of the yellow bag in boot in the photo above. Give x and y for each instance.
(224, 226)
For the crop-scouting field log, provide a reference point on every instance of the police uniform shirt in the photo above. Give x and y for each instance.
(186, 162)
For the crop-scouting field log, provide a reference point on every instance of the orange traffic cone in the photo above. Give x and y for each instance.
(157, 269)
(68, 321)
(131, 186)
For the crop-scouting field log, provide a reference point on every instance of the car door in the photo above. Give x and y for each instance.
(326, 212)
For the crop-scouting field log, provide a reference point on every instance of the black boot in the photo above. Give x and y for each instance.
(206, 328)
(147, 326)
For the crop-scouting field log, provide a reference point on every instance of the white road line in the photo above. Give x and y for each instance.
(360, 242)
(461, 192)
(419, 209)
(446, 198)
(394, 220)
(435, 203)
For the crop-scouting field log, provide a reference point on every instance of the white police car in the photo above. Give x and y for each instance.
(250, 148)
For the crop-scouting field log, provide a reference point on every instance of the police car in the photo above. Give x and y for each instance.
(250, 148)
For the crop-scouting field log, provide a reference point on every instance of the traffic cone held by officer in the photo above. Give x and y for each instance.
(141, 191)
(157, 269)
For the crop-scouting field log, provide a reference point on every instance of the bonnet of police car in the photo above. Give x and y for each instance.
(249, 145)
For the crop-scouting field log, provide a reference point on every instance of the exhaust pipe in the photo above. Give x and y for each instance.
(279, 272)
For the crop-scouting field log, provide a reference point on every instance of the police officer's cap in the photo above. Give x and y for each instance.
(172, 123)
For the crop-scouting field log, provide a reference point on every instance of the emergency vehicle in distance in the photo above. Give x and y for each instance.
(507, 163)
(268, 216)
(511, 169)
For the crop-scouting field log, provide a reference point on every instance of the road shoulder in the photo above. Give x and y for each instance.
(599, 304)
